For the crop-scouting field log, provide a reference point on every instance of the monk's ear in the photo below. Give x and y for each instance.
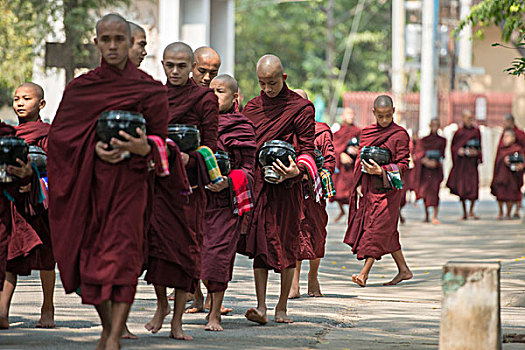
(285, 76)
(95, 41)
(235, 96)
(193, 65)
(131, 41)
(393, 110)
(41, 104)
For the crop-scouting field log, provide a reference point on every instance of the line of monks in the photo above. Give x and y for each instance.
(116, 210)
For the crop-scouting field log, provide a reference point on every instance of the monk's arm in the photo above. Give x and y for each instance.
(304, 127)
(401, 156)
(328, 152)
(480, 154)
(156, 112)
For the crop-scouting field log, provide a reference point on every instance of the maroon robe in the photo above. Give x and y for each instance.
(372, 228)
(176, 232)
(463, 180)
(273, 237)
(222, 226)
(96, 209)
(506, 184)
(314, 218)
(343, 178)
(427, 181)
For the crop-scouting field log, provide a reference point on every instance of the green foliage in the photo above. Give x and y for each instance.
(296, 32)
(509, 15)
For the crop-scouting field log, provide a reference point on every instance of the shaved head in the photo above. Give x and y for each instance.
(301, 93)
(136, 29)
(39, 92)
(271, 75)
(205, 52)
(229, 81)
(179, 47)
(269, 65)
(383, 101)
(113, 18)
(207, 65)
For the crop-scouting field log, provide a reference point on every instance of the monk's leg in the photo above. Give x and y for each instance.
(198, 301)
(509, 206)
(280, 309)
(435, 220)
(471, 211)
(341, 211)
(259, 314)
(404, 272)
(464, 205)
(517, 211)
(314, 289)
(214, 317)
(426, 214)
(104, 313)
(500, 210)
(119, 315)
(6, 296)
(47, 312)
(363, 275)
(163, 310)
(179, 304)
(295, 290)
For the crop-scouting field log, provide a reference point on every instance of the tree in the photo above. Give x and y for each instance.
(509, 15)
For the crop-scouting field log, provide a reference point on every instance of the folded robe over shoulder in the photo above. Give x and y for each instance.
(273, 236)
(463, 180)
(96, 209)
(372, 227)
(427, 181)
(314, 217)
(343, 178)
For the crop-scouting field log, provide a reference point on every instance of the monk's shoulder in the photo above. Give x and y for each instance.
(84, 79)
(252, 105)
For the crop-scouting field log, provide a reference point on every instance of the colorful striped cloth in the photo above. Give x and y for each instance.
(163, 153)
(394, 176)
(328, 183)
(242, 199)
(309, 162)
(211, 164)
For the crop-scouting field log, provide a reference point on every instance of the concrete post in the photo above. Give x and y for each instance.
(398, 57)
(465, 38)
(470, 312)
(427, 84)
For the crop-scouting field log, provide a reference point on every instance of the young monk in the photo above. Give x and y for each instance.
(137, 51)
(376, 196)
(207, 65)
(227, 201)
(176, 231)
(314, 218)
(508, 178)
(428, 173)
(98, 194)
(463, 180)
(345, 159)
(27, 103)
(273, 237)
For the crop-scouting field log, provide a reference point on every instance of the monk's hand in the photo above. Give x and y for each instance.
(219, 186)
(506, 160)
(373, 168)
(25, 189)
(110, 156)
(22, 171)
(359, 192)
(185, 158)
(135, 145)
(286, 172)
(461, 151)
(472, 152)
(345, 159)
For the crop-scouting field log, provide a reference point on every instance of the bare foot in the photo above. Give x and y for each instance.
(112, 344)
(214, 324)
(255, 315)
(102, 342)
(473, 216)
(401, 276)
(294, 293)
(426, 220)
(4, 322)
(47, 319)
(359, 280)
(436, 222)
(195, 307)
(516, 216)
(126, 334)
(225, 310)
(282, 317)
(171, 296)
(158, 319)
(464, 217)
(314, 289)
(177, 333)
(401, 219)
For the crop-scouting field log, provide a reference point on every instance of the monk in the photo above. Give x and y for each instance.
(376, 195)
(176, 232)
(273, 236)
(508, 178)
(137, 51)
(510, 123)
(207, 64)
(27, 103)
(98, 193)
(314, 218)
(463, 180)
(345, 159)
(428, 172)
(226, 203)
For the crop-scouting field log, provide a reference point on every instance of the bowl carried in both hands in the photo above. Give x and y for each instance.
(187, 137)
(11, 148)
(111, 122)
(269, 153)
(380, 155)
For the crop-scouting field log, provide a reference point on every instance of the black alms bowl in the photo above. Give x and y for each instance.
(187, 137)
(11, 148)
(516, 158)
(223, 161)
(111, 122)
(270, 152)
(39, 158)
(319, 159)
(473, 143)
(380, 155)
(354, 141)
(434, 154)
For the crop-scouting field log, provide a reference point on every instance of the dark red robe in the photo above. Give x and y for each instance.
(314, 218)
(96, 209)
(427, 181)
(343, 178)
(372, 228)
(273, 237)
(506, 184)
(176, 232)
(222, 226)
(463, 180)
